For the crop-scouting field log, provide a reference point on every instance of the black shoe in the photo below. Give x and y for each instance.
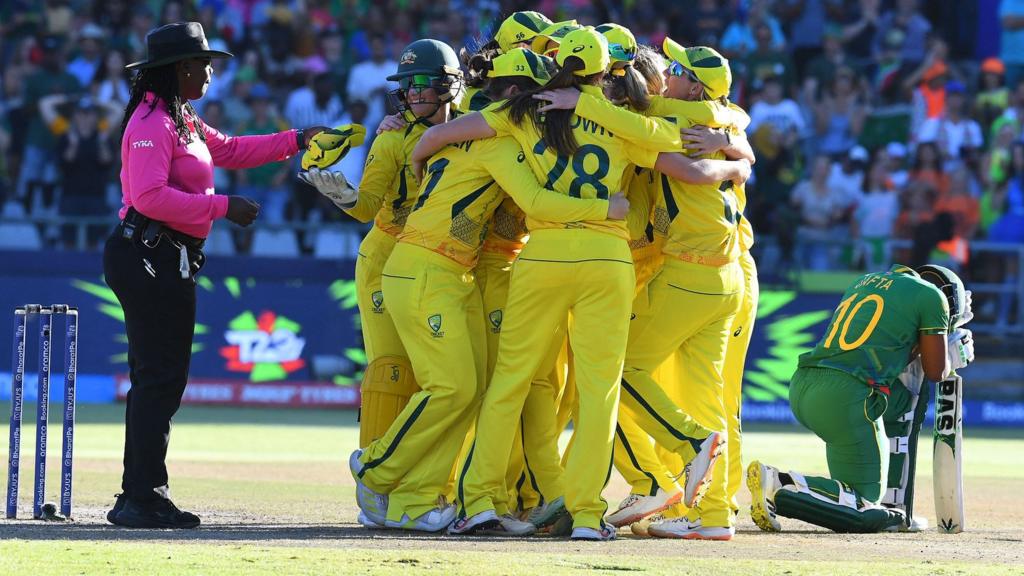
(118, 505)
(159, 513)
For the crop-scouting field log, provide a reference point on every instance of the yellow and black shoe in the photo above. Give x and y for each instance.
(763, 481)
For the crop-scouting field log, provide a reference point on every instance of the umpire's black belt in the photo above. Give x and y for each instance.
(135, 225)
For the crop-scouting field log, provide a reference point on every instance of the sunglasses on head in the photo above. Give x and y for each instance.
(420, 81)
(677, 69)
(620, 52)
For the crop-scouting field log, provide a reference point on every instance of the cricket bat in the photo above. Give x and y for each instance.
(947, 459)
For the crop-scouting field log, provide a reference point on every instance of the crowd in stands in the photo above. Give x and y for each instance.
(872, 120)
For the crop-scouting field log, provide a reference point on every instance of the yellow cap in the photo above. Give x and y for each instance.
(520, 27)
(554, 32)
(622, 46)
(521, 62)
(588, 45)
(710, 67)
(328, 147)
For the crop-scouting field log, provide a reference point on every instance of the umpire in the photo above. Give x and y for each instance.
(168, 154)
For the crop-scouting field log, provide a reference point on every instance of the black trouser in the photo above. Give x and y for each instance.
(159, 316)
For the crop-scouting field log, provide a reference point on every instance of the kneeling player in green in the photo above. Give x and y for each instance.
(850, 389)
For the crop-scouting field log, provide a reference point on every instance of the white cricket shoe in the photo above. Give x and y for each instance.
(433, 520)
(641, 527)
(547, 513)
(594, 535)
(488, 523)
(636, 507)
(373, 504)
(698, 470)
(763, 482)
(684, 529)
(367, 523)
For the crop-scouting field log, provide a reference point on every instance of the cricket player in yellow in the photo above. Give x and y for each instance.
(437, 308)
(653, 486)
(386, 195)
(516, 31)
(583, 267)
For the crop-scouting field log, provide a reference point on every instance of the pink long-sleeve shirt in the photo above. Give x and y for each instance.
(169, 180)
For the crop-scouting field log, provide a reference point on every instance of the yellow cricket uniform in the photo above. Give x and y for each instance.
(736, 355)
(583, 267)
(640, 464)
(387, 193)
(473, 100)
(691, 304)
(437, 309)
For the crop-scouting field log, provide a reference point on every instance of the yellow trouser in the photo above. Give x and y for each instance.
(533, 468)
(560, 270)
(379, 335)
(735, 357)
(436, 304)
(690, 308)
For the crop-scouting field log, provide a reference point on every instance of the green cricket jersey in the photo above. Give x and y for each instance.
(877, 324)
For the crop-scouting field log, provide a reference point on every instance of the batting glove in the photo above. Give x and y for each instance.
(968, 314)
(960, 348)
(333, 185)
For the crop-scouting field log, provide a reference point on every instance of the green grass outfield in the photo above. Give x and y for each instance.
(275, 495)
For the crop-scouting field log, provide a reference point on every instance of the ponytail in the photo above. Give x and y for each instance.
(630, 88)
(554, 125)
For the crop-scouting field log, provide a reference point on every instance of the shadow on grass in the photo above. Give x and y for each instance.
(277, 533)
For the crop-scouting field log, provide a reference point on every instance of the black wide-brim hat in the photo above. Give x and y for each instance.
(174, 42)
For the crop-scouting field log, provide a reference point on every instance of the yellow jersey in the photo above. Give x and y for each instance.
(699, 222)
(595, 170)
(465, 183)
(507, 233)
(388, 189)
(473, 100)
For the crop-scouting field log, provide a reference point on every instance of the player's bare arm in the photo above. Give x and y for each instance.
(702, 171)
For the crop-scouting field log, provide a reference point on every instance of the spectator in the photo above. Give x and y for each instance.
(705, 23)
(332, 49)
(90, 55)
(38, 168)
(961, 204)
(820, 207)
(111, 83)
(86, 155)
(874, 218)
(928, 168)
(1011, 15)
(993, 97)
(889, 76)
(846, 178)
(907, 18)
(352, 164)
(265, 184)
(860, 29)
(782, 114)
(805, 20)
(839, 114)
(766, 61)
(367, 81)
(952, 130)
(738, 38)
(314, 104)
(832, 59)
(896, 155)
(916, 208)
(929, 96)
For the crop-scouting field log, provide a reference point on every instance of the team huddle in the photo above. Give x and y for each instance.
(558, 236)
